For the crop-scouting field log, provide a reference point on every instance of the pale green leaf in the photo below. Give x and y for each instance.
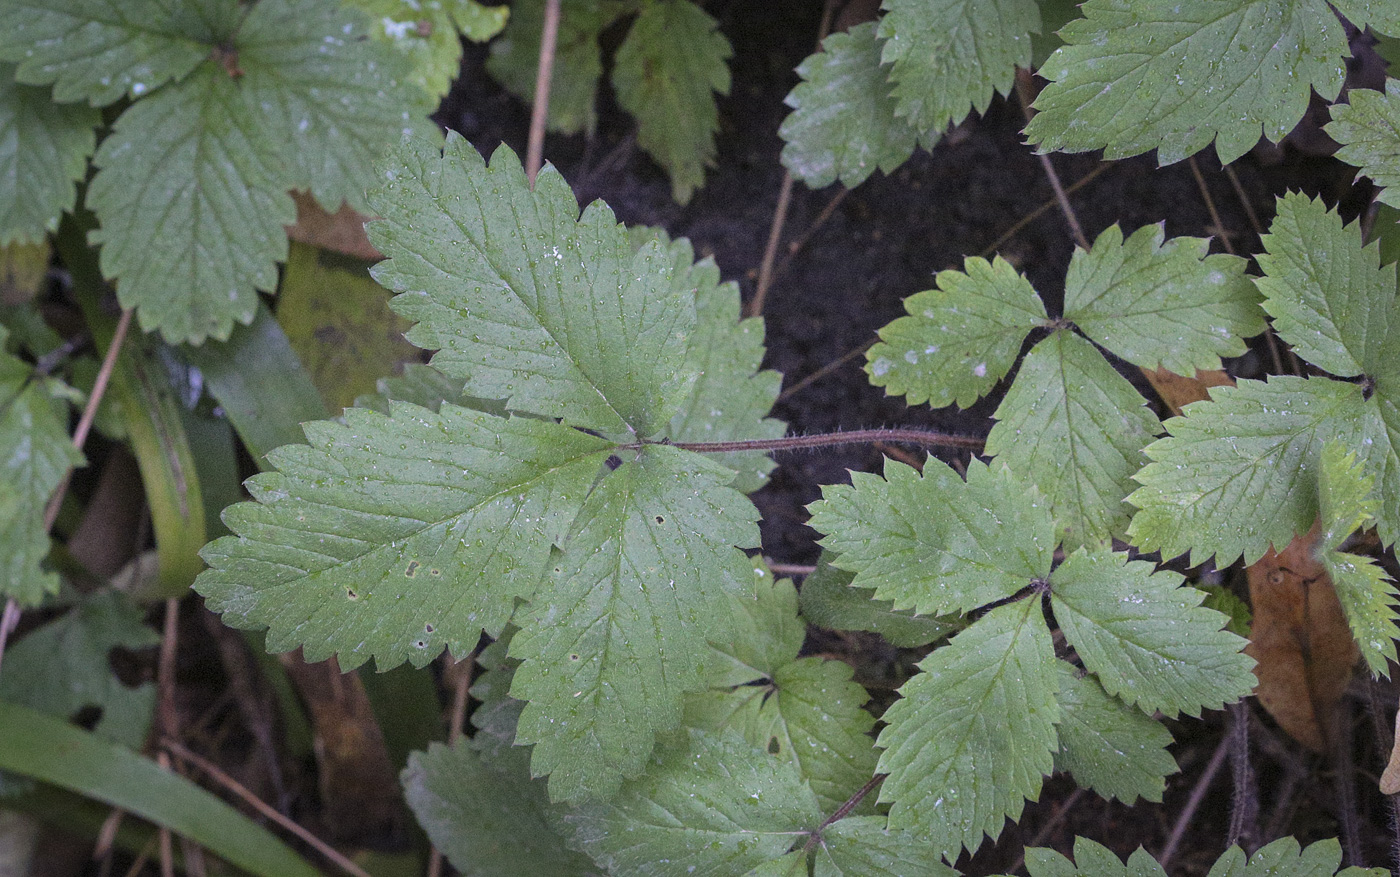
(1147, 639)
(959, 339)
(1367, 595)
(1162, 305)
(489, 821)
(1224, 601)
(1329, 297)
(44, 148)
(933, 542)
(863, 846)
(64, 666)
(843, 124)
(1090, 860)
(1173, 75)
(829, 600)
(973, 735)
(1283, 858)
(478, 22)
(1368, 127)
(394, 537)
(1239, 472)
(102, 50)
(1379, 447)
(666, 73)
(950, 56)
(709, 806)
(1107, 745)
(619, 635)
(1077, 428)
(526, 302)
(428, 34)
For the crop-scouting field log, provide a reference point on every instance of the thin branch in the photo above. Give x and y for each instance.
(845, 809)
(1050, 825)
(825, 370)
(1210, 205)
(921, 437)
(539, 113)
(1024, 85)
(770, 251)
(1040, 211)
(1198, 794)
(1244, 806)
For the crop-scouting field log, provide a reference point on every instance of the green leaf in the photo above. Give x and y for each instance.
(666, 73)
(1282, 858)
(428, 34)
(1146, 638)
(768, 634)
(1239, 472)
(1224, 601)
(1367, 595)
(619, 638)
(709, 805)
(1172, 75)
(843, 124)
(1090, 860)
(959, 339)
(1380, 447)
(1077, 428)
(488, 820)
(1329, 297)
(102, 50)
(35, 452)
(1162, 305)
(829, 600)
(426, 387)
(526, 302)
(63, 667)
(1368, 127)
(1110, 747)
(935, 543)
(44, 148)
(949, 56)
(392, 537)
(973, 735)
(862, 846)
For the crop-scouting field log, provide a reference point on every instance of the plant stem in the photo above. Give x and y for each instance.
(539, 112)
(922, 437)
(845, 809)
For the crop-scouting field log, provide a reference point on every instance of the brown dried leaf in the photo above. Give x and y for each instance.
(1178, 391)
(1390, 779)
(343, 231)
(1301, 640)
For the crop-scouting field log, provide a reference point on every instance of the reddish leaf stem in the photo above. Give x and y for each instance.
(921, 437)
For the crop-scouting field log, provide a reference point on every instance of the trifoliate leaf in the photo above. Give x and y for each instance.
(428, 34)
(102, 50)
(708, 805)
(959, 339)
(667, 71)
(950, 56)
(1329, 297)
(35, 452)
(935, 543)
(1367, 595)
(1077, 428)
(1282, 858)
(863, 846)
(828, 600)
(488, 820)
(1239, 473)
(1366, 127)
(1110, 747)
(1162, 305)
(1172, 75)
(44, 148)
(392, 537)
(1147, 639)
(619, 637)
(63, 667)
(974, 734)
(1091, 860)
(526, 302)
(843, 124)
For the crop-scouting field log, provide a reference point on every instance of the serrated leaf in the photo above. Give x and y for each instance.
(934, 542)
(1090, 860)
(488, 821)
(618, 639)
(959, 339)
(1147, 639)
(1224, 601)
(1329, 297)
(863, 846)
(63, 667)
(426, 387)
(1076, 428)
(428, 35)
(1366, 127)
(829, 600)
(1162, 304)
(1239, 472)
(1173, 75)
(767, 633)
(44, 148)
(666, 73)
(709, 805)
(102, 50)
(973, 735)
(523, 300)
(950, 56)
(1380, 447)
(843, 124)
(394, 537)
(1108, 746)
(1282, 858)
(1367, 595)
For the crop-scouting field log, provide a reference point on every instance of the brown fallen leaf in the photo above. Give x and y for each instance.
(1301, 640)
(1390, 779)
(1178, 391)
(342, 231)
